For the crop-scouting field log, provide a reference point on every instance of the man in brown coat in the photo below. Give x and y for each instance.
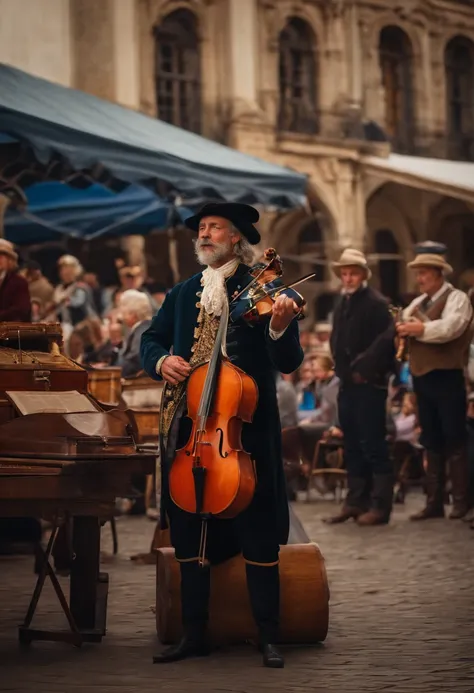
(15, 304)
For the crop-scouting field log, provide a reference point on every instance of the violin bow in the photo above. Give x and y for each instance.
(291, 286)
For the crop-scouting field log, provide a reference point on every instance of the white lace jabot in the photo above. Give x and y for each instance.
(214, 292)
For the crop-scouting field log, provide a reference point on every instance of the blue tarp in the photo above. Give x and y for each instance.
(136, 148)
(55, 209)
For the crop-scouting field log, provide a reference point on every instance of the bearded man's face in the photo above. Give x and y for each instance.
(215, 243)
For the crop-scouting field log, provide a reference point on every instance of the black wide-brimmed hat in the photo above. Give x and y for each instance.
(242, 216)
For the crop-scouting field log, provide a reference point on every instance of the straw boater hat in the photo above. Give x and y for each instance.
(351, 258)
(431, 254)
(6, 248)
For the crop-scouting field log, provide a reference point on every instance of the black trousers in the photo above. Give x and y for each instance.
(254, 533)
(363, 420)
(442, 410)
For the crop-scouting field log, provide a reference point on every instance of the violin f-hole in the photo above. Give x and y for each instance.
(221, 441)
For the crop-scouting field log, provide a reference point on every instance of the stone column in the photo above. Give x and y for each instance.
(356, 90)
(93, 47)
(243, 52)
(373, 90)
(333, 69)
(126, 54)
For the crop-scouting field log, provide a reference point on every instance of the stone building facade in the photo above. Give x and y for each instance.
(321, 86)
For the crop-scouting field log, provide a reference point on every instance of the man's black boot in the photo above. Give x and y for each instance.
(195, 589)
(263, 583)
(194, 643)
(435, 477)
(355, 504)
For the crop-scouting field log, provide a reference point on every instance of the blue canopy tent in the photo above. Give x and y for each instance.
(56, 209)
(89, 134)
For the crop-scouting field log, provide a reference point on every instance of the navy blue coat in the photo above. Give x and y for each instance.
(255, 352)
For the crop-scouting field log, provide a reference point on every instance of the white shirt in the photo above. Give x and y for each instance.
(455, 318)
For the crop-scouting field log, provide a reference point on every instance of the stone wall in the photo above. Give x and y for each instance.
(36, 37)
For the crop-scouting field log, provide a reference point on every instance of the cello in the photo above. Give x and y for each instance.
(212, 475)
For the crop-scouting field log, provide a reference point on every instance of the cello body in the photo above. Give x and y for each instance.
(214, 449)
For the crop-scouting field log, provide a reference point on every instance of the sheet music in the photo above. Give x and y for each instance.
(34, 402)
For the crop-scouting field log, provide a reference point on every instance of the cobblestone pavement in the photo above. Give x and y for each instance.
(401, 620)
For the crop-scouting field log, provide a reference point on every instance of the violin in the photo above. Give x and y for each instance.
(212, 475)
(255, 302)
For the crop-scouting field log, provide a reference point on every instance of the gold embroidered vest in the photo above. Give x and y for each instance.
(204, 339)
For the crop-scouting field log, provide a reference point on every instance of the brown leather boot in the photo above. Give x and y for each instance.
(346, 513)
(382, 500)
(459, 474)
(373, 517)
(356, 502)
(434, 489)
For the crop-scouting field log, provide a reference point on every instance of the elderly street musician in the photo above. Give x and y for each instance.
(189, 322)
(438, 326)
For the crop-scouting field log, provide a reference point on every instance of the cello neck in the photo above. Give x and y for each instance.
(212, 372)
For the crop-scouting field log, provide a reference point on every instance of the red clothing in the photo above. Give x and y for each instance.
(15, 303)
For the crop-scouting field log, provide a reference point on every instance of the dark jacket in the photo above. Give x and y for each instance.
(363, 337)
(15, 303)
(129, 356)
(253, 350)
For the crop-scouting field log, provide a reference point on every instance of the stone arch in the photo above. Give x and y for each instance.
(298, 77)
(150, 15)
(178, 70)
(374, 105)
(286, 235)
(458, 60)
(397, 69)
(391, 19)
(448, 36)
(451, 222)
(383, 205)
(272, 20)
(161, 10)
(309, 15)
(385, 213)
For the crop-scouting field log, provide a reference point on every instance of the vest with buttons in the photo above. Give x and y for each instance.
(452, 355)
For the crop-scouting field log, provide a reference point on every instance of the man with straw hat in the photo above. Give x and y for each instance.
(362, 345)
(439, 328)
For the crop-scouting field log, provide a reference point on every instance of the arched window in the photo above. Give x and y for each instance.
(178, 80)
(389, 267)
(459, 67)
(298, 69)
(396, 63)
(310, 243)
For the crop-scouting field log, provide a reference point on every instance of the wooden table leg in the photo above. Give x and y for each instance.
(88, 588)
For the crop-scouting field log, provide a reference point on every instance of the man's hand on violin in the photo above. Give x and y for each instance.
(413, 328)
(284, 310)
(175, 369)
